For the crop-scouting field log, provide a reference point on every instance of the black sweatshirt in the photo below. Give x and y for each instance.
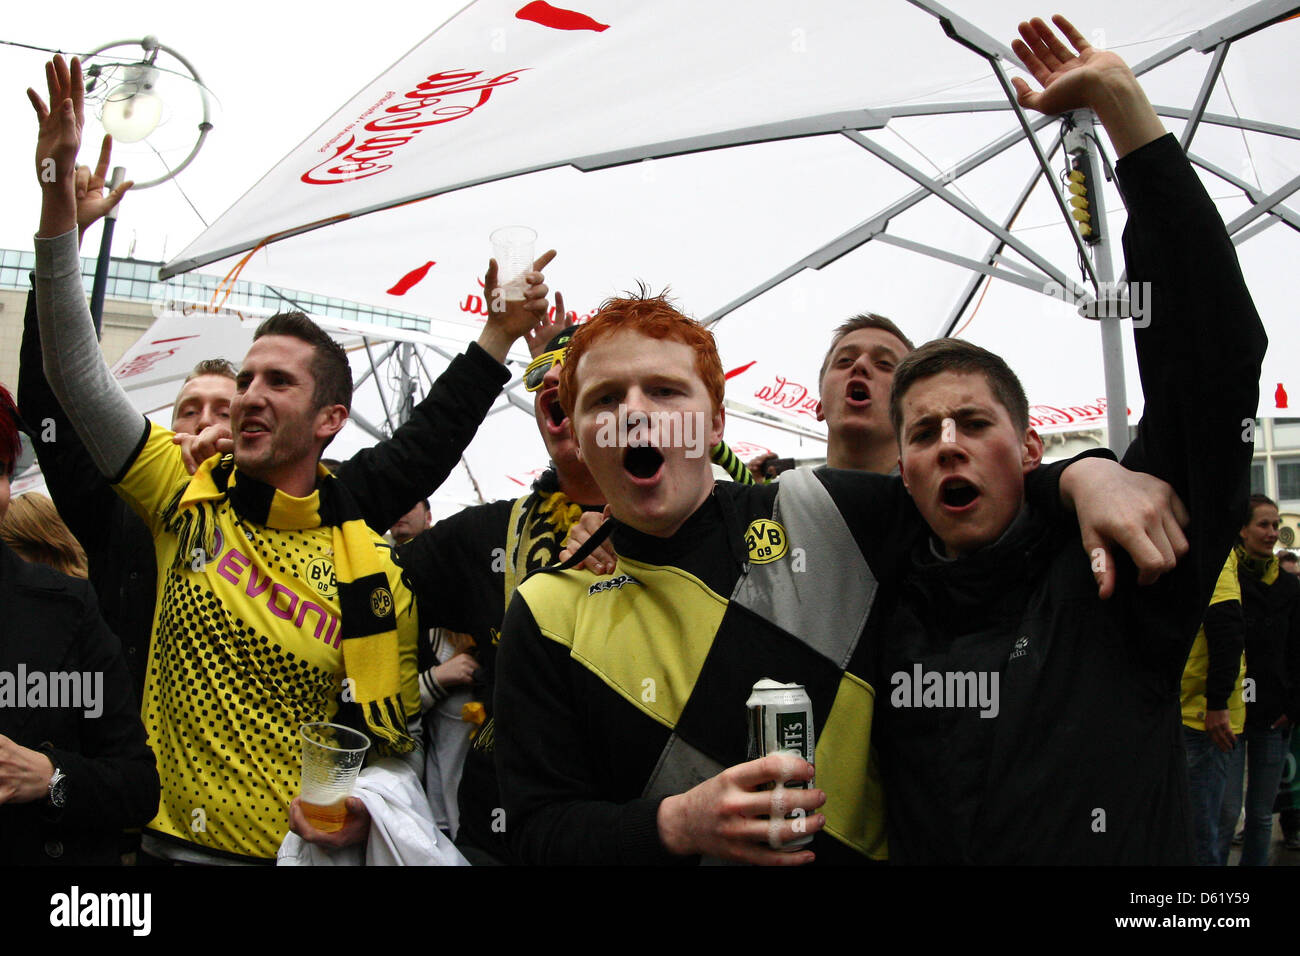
(1083, 762)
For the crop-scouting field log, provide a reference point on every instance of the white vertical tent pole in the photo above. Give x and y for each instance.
(1083, 137)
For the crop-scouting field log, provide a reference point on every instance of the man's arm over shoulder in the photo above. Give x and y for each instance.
(388, 479)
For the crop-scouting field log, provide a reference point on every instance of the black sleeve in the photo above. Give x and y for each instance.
(84, 498)
(388, 479)
(112, 776)
(543, 763)
(456, 566)
(1199, 355)
(1225, 637)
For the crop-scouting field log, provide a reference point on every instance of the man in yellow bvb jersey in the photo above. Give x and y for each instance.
(275, 605)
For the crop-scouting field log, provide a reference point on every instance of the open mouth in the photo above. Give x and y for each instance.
(555, 412)
(643, 462)
(859, 392)
(958, 493)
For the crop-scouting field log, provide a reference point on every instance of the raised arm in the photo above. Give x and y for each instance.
(1201, 343)
(94, 402)
(388, 479)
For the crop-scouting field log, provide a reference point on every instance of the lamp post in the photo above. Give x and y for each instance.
(131, 112)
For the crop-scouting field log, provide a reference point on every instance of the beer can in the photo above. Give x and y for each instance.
(780, 721)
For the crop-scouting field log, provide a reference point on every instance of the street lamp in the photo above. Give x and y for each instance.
(130, 113)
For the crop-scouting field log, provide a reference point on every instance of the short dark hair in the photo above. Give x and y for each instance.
(329, 364)
(1287, 557)
(955, 355)
(867, 320)
(10, 444)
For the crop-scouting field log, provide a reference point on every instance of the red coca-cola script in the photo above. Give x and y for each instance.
(440, 98)
(1055, 416)
(143, 362)
(557, 18)
(788, 396)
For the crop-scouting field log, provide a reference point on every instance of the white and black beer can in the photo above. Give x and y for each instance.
(780, 721)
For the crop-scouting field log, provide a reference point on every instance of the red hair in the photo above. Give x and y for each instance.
(653, 317)
(10, 446)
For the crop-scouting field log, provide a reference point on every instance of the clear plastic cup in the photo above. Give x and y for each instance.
(332, 756)
(512, 247)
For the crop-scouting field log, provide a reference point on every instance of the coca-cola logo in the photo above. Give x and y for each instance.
(788, 396)
(422, 108)
(143, 362)
(1055, 416)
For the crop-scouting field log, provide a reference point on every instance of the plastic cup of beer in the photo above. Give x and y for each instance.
(512, 247)
(332, 756)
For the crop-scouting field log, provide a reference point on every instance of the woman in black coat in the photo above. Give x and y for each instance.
(75, 769)
(1270, 607)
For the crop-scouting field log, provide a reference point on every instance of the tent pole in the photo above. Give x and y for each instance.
(406, 382)
(1083, 137)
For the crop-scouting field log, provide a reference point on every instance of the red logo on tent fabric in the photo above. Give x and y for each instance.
(739, 371)
(1053, 416)
(788, 396)
(558, 18)
(143, 362)
(1279, 397)
(421, 109)
(411, 278)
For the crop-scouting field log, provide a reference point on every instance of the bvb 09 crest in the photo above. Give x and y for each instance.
(381, 602)
(765, 541)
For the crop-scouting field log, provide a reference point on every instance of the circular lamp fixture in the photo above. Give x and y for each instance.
(132, 109)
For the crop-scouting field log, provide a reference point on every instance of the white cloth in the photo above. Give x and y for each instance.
(401, 828)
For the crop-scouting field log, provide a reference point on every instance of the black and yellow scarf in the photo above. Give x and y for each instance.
(1265, 569)
(368, 623)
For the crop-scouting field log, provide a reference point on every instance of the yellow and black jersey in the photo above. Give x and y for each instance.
(1223, 614)
(246, 648)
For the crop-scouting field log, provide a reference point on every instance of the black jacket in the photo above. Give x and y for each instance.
(1083, 762)
(1272, 613)
(50, 625)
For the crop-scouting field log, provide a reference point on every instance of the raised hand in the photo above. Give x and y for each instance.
(92, 204)
(549, 325)
(508, 319)
(60, 123)
(1095, 79)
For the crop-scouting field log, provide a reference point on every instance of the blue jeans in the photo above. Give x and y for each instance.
(1207, 776)
(1263, 751)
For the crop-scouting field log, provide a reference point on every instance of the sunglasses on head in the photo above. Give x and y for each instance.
(538, 367)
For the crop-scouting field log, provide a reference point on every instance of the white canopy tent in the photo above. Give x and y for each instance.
(781, 168)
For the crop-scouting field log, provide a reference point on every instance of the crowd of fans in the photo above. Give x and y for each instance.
(563, 673)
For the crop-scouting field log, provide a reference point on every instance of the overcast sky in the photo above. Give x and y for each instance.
(277, 71)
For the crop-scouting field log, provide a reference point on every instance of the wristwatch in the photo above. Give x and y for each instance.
(57, 783)
(58, 788)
